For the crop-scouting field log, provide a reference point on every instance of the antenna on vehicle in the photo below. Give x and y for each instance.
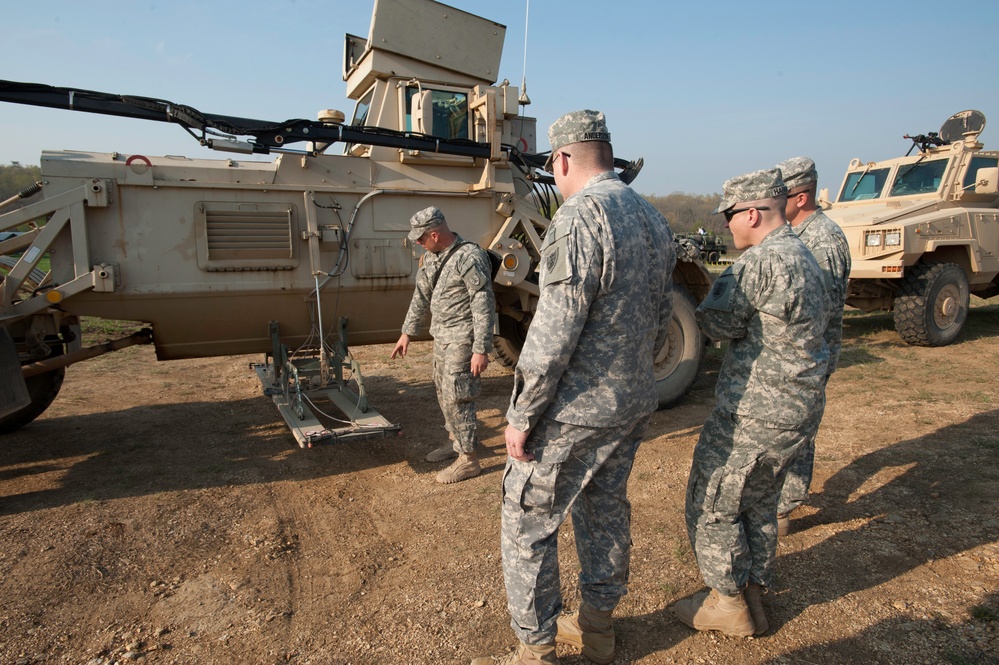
(524, 100)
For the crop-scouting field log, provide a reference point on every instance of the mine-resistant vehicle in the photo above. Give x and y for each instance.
(924, 230)
(288, 258)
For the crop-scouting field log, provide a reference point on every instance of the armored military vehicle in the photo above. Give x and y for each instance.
(924, 230)
(709, 245)
(287, 258)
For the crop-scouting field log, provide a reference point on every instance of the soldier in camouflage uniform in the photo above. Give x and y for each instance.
(825, 240)
(454, 285)
(773, 308)
(583, 393)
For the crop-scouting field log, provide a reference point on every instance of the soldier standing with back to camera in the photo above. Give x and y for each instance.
(825, 240)
(772, 306)
(583, 393)
(453, 284)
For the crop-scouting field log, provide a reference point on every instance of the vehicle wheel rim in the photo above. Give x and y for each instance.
(947, 307)
(669, 357)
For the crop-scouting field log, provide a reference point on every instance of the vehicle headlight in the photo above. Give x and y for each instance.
(874, 239)
(893, 238)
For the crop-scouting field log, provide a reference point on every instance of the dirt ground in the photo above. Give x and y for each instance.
(162, 513)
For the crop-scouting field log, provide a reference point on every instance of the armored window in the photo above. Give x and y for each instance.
(919, 178)
(360, 116)
(441, 113)
(361, 110)
(970, 178)
(862, 185)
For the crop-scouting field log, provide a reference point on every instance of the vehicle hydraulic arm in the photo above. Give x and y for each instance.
(220, 132)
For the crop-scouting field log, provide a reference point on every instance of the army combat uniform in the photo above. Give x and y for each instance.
(461, 307)
(825, 240)
(771, 305)
(584, 389)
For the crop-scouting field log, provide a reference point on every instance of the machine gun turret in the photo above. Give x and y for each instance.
(924, 141)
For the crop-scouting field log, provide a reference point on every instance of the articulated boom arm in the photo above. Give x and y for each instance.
(267, 136)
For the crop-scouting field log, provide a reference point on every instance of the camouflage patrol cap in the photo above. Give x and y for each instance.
(798, 172)
(765, 184)
(576, 127)
(423, 221)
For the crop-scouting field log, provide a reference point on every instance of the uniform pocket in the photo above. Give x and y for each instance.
(460, 384)
(532, 484)
(465, 386)
(722, 468)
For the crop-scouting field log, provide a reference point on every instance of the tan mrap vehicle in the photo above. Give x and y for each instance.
(288, 258)
(924, 230)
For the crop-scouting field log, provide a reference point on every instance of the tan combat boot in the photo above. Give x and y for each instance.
(783, 525)
(712, 611)
(525, 654)
(589, 630)
(463, 468)
(443, 453)
(753, 594)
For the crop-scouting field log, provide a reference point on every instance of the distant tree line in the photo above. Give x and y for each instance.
(686, 213)
(13, 179)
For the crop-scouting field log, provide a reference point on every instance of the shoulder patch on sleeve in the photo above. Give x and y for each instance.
(473, 276)
(555, 264)
(723, 291)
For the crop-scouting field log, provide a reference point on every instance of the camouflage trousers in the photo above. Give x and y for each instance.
(798, 479)
(799, 476)
(731, 510)
(579, 470)
(456, 392)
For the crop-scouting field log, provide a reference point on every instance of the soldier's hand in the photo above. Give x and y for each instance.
(516, 442)
(479, 363)
(401, 347)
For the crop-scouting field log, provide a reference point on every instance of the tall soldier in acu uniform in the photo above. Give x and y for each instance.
(583, 392)
(454, 284)
(772, 306)
(827, 243)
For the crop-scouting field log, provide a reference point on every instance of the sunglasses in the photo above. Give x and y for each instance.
(550, 166)
(729, 214)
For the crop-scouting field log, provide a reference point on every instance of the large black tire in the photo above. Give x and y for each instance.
(676, 367)
(713, 257)
(506, 352)
(42, 388)
(932, 304)
(507, 345)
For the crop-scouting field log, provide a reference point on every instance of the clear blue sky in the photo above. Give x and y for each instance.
(702, 90)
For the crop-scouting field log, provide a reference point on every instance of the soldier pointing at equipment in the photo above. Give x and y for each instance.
(454, 285)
